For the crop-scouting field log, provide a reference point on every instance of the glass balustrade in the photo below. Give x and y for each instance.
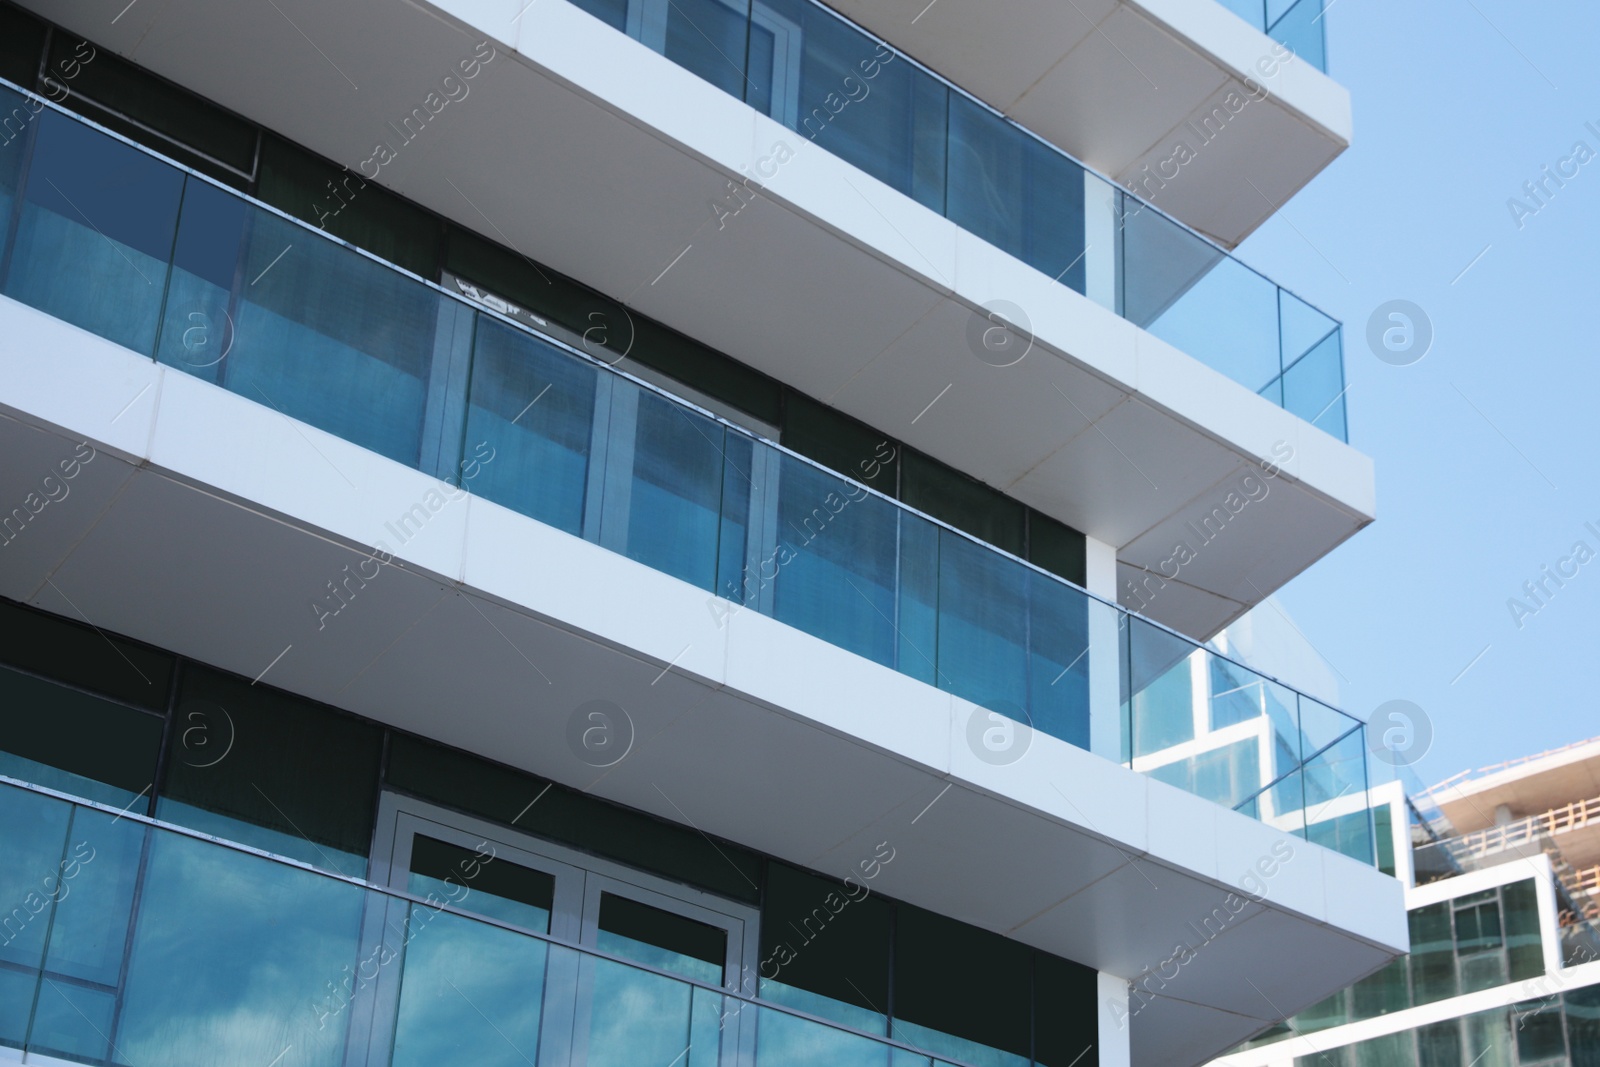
(1296, 24)
(829, 82)
(116, 241)
(124, 942)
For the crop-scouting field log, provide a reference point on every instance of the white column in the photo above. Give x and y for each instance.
(1115, 1026)
(1100, 241)
(1105, 654)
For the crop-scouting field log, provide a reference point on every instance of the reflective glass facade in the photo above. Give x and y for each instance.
(259, 923)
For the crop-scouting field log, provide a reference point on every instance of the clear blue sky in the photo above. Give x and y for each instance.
(1457, 104)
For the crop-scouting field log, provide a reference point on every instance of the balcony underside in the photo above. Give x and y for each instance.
(208, 524)
(594, 155)
(1117, 83)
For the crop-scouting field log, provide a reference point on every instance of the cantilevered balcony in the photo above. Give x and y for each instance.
(177, 268)
(834, 281)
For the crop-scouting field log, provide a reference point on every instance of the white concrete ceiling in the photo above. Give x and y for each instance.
(586, 151)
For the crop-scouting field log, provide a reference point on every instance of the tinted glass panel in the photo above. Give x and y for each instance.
(471, 993)
(814, 73)
(1065, 1016)
(21, 42)
(840, 443)
(339, 201)
(536, 406)
(960, 991)
(1016, 192)
(1057, 548)
(218, 975)
(1525, 949)
(950, 496)
(1433, 953)
(254, 765)
(661, 939)
(481, 882)
(53, 646)
(96, 232)
(147, 100)
(498, 793)
(76, 743)
(825, 948)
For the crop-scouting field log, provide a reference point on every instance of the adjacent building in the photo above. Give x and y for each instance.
(1500, 867)
(665, 532)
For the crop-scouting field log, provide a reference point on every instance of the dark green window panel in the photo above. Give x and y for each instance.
(705, 369)
(1058, 548)
(1383, 826)
(21, 44)
(1066, 1025)
(1478, 944)
(254, 765)
(1583, 1026)
(840, 443)
(349, 207)
(74, 742)
(956, 987)
(179, 117)
(505, 891)
(79, 655)
(965, 503)
(519, 279)
(1381, 993)
(1325, 1014)
(1539, 1030)
(1439, 1045)
(502, 795)
(1526, 952)
(825, 947)
(1393, 1050)
(1433, 953)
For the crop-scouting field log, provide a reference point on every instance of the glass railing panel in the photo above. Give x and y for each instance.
(305, 348)
(95, 231)
(983, 627)
(664, 481)
(16, 113)
(1017, 193)
(814, 73)
(833, 553)
(1337, 814)
(629, 1016)
(784, 1040)
(1159, 690)
(1209, 306)
(1313, 388)
(536, 406)
(143, 944)
(1301, 326)
(1301, 29)
(705, 36)
(457, 975)
(1252, 11)
(1062, 623)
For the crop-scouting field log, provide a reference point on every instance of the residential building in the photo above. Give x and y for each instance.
(664, 532)
(1501, 868)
